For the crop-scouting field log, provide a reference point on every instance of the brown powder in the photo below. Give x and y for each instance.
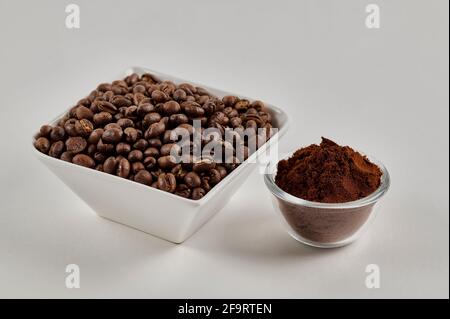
(328, 173)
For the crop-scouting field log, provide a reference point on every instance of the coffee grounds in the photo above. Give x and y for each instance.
(328, 173)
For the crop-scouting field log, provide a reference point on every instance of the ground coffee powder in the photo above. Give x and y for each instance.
(328, 173)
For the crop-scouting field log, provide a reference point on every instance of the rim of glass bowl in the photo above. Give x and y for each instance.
(269, 179)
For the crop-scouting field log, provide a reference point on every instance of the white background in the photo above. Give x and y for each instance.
(383, 91)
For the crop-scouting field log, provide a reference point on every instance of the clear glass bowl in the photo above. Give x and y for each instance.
(324, 225)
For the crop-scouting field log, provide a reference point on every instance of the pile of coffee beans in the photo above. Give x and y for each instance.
(125, 128)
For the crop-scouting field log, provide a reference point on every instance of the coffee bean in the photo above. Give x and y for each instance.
(76, 144)
(183, 191)
(149, 162)
(198, 193)
(105, 106)
(154, 130)
(178, 119)
(214, 176)
(203, 165)
(95, 136)
(145, 108)
(104, 147)
(171, 107)
(167, 149)
(135, 156)
(151, 151)
(229, 100)
(166, 162)
(155, 142)
(179, 95)
(112, 125)
(159, 96)
(136, 167)
(102, 118)
(123, 148)
(151, 118)
(112, 135)
(84, 127)
(83, 160)
(42, 144)
(167, 182)
(82, 112)
(193, 109)
(45, 130)
(141, 144)
(123, 168)
(110, 165)
(67, 156)
(125, 123)
(143, 177)
(57, 133)
(56, 149)
(131, 134)
(192, 180)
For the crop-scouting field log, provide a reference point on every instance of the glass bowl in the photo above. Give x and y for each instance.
(324, 225)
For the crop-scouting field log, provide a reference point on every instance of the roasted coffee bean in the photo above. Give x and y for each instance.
(95, 136)
(166, 162)
(99, 167)
(67, 156)
(91, 149)
(229, 100)
(143, 177)
(171, 107)
(102, 118)
(131, 134)
(100, 157)
(135, 156)
(112, 135)
(151, 118)
(193, 109)
(151, 151)
(83, 160)
(45, 130)
(123, 148)
(112, 125)
(204, 165)
(141, 144)
(149, 162)
(145, 108)
(167, 149)
(178, 119)
(69, 127)
(136, 167)
(110, 165)
(82, 112)
(125, 123)
(198, 193)
(183, 190)
(76, 144)
(205, 184)
(105, 106)
(104, 147)
(120, 101)
(159, 96)
(155, 142)
(179, 95)
(84, 127)
(214, 176)
(57, 133)
(123, 168)
(192, 179)
(42, 144)
(167, 182)
(242, 105)
(154, 130)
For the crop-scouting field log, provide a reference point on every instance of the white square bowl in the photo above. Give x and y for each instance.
(145, 208)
